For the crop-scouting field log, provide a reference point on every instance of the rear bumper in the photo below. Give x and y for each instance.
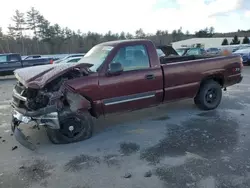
(233, 79)
(240, 79)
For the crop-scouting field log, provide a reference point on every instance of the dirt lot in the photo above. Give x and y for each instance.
(175, 145)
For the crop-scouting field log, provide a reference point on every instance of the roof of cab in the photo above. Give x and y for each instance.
(127, 41)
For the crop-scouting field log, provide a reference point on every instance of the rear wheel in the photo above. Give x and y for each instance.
(209, 95)
(74, 128)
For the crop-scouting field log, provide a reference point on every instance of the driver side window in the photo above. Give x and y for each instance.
(132, 57)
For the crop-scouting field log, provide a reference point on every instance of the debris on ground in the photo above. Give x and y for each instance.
(44, 183)
(34, 171)
(11, 134)
(111, 160)
(80, 162)
(22, 167)
(3, 140)
(129, 148)
(14, 148)
(127, 175)
(148, 174)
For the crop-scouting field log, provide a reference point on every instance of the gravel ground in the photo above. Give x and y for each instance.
(174, 145)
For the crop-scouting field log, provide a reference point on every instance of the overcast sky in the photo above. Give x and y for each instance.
(129, 15)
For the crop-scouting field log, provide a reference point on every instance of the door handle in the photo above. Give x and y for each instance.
(150, 76)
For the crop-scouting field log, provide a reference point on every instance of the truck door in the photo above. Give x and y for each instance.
(8, 63)
(14, 62)
(138, 86)
(3, 64)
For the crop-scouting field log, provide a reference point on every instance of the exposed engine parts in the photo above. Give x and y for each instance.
(55, 93)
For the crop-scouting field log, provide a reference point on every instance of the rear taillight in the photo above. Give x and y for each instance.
(51, 61)
(241, 63)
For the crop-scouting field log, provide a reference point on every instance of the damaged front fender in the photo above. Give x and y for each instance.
(77, 102)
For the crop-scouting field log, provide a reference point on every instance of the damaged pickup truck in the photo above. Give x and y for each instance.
(114, 77)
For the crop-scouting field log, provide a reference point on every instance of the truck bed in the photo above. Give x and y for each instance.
(173, 59)
(182, 78)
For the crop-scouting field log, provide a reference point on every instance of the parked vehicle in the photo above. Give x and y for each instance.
(182, 51)
(196, 51)
(186, 51)
(32, 57)
(245, 54)
(10, 62)
(213, 51)
(71, 60)
(68, 56)
(115, 77)
(244, 47)
(166, 50)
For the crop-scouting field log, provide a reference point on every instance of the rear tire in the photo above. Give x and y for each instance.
(209, 95)
(74, 128)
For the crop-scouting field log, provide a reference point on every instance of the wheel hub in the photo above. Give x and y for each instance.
(211, 95)
(71, 127)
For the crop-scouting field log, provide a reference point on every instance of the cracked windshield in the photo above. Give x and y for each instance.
(135, 94)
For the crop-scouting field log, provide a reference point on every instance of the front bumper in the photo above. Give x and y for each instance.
(49, 120)
(46, 116)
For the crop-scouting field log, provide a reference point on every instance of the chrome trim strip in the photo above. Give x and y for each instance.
(17, 95)
(129, 100)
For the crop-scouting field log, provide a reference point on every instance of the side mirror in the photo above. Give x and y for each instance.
(115, 69)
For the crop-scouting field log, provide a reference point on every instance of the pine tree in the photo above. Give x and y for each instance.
(19, 21)
(122, 36)
(32, 20)
(140, 33)
(42, 27)
(246, 40)
(1, 32)
(224, 42)
(235, 40)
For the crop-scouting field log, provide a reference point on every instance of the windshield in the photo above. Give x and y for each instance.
(96, 56)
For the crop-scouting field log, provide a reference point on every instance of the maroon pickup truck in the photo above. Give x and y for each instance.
(114, 77)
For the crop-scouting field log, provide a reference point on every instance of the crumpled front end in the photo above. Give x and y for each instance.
(33, 104)
(43, 106)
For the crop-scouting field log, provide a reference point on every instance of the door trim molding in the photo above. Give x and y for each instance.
(128, 98)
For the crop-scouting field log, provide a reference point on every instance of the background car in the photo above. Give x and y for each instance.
(196, 51)
(68, 56)
(182, 51)
(71, 60)
(213, 51)
(245, 54)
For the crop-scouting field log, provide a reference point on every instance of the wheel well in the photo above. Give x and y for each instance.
(217, 78)
(92, 110)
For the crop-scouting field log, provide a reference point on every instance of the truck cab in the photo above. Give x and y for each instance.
(9, 62)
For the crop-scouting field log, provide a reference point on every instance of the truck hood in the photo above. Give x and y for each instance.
(38, 76)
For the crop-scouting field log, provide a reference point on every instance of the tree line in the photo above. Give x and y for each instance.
(236, 41)
(47, 38)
